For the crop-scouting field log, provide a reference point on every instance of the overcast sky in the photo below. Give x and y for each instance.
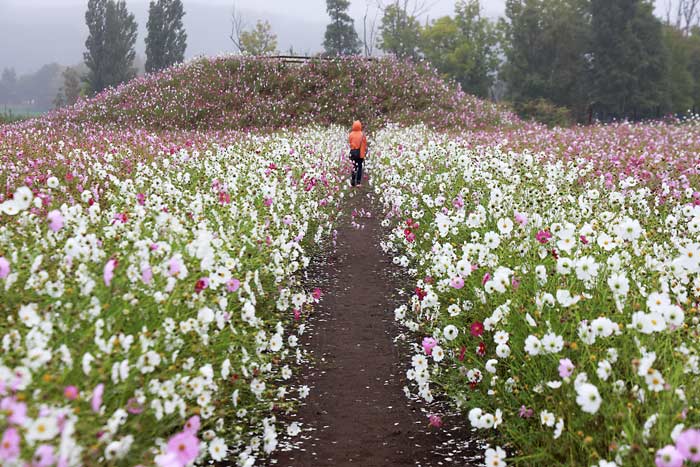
(36, 32)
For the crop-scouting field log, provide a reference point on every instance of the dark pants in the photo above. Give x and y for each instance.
(356, 170)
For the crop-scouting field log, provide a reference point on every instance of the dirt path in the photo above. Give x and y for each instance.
(357, 412)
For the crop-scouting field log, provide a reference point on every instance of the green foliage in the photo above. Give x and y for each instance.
(71, 85)
(8, 116)
(543, 111)
(681, 81)
(399, 32)
(341, 37)
(545, 46)
(259, 41)
(463, 47)
(110, 44)
(166, 41)
(628, 56)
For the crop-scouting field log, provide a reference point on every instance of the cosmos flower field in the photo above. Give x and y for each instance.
(152, 256)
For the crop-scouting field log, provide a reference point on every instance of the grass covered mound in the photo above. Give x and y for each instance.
(263, 93)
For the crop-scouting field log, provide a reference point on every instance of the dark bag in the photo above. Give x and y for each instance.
(355, 153)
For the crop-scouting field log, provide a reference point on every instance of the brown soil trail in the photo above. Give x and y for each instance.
(357, 413)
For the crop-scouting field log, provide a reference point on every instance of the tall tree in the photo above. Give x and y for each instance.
(71, 85)
(341, 37)
(463, 48)
(546, 44)
(680, 78)
(110, 44)
(166, 41)
(259, 41)
(629, 60)
(399, 31)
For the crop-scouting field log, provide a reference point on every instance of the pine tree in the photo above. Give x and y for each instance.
(341, 37)
(110, 44)
(166, 41)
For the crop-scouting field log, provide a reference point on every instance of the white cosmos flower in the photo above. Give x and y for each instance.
(588, 398)
(533, 346)
(218, 449)
(547, 418)
(293, 429)
(28, 315)
(42, 429)
(502, 350)
(495, 457)
(23, 198)
(491, 365)
(450, 332)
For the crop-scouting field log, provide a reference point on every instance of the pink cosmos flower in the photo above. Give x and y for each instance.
(70, 393)
(133, 406)
(428, 344)
(174, 266)
(458, 202)
(668, 456)
(435, 420)
(688, 444)
(182, 449)
(566, 368)
(56, 220)
(9, 445)
(192, 425)
(268, 202)
(4, 268)
(141, 199)
(96, 401)
(521, 218)
(297, 314)
(16, 411)
(232, 285)
(146, 274)
(486, 278)
(457, 282)
(108, 273)
(316, 294)
(524, 412)
(44, 456)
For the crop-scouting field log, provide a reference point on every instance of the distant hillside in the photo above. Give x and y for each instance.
(266, 93)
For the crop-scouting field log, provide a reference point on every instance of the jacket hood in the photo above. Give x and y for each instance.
(356, 126)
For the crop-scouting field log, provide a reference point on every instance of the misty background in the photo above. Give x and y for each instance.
(39, 38)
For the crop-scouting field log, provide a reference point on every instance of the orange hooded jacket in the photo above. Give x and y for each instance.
(357, 139)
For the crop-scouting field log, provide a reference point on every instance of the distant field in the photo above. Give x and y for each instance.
(10, 114)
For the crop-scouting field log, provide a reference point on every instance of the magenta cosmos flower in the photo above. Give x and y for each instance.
(428, 344)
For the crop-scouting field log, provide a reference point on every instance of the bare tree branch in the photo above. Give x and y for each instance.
(369, 42)
(237, 27)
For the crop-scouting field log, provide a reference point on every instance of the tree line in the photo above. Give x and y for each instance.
(555, 60)
(559, 60)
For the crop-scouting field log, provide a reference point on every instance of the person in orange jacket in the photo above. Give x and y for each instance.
(358, 152)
